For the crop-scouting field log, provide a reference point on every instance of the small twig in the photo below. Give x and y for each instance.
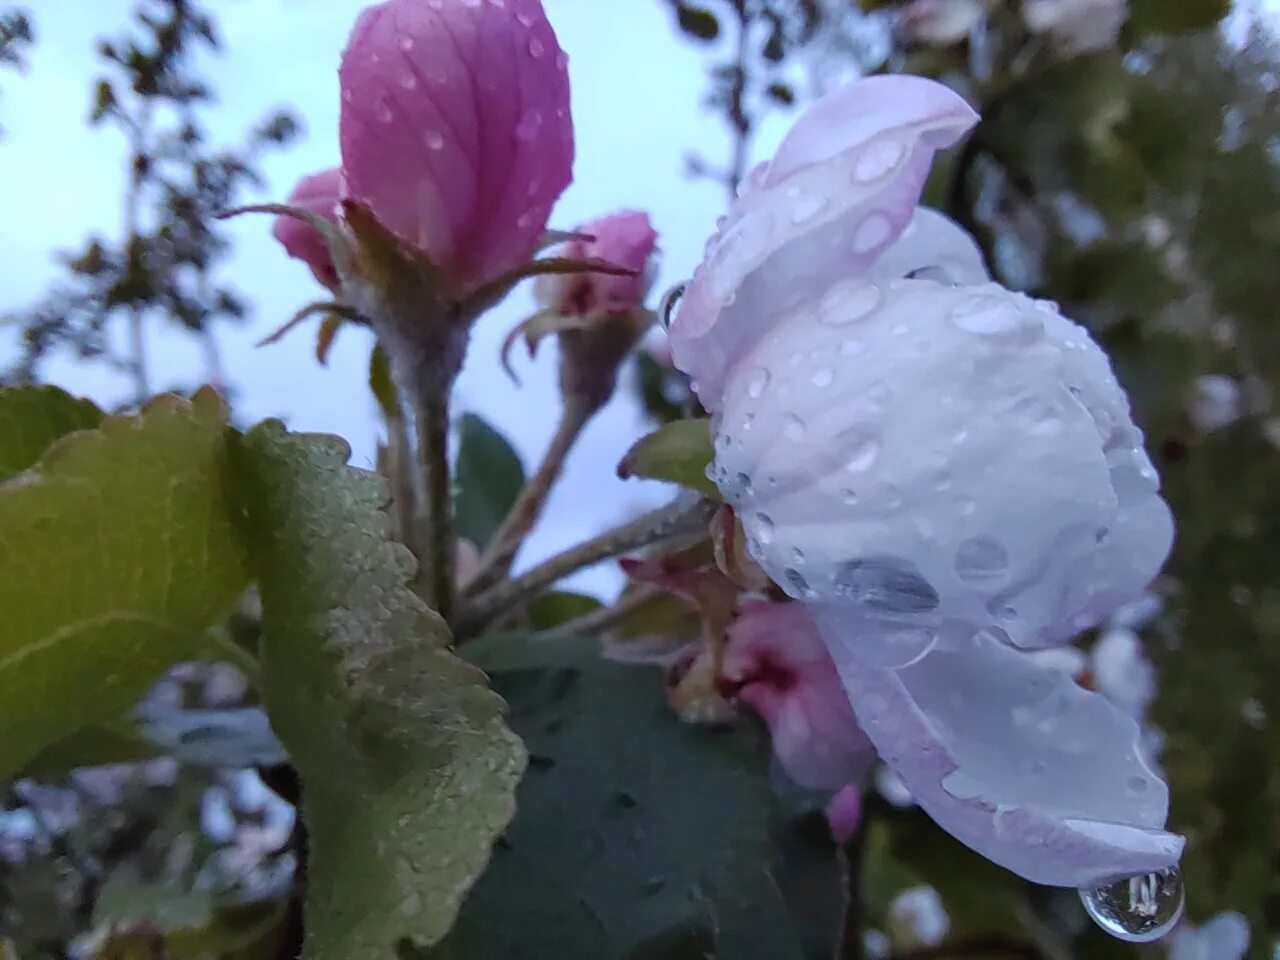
(598, 621)
(737, 106)
(668, 523)
(525, 513)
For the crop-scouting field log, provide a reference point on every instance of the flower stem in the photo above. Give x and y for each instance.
(670, 522)
(527, 509)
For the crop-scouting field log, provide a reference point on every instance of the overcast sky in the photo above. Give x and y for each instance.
(636, 96)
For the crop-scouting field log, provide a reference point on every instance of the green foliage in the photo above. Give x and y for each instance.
(118, 553)
(1161, 16)
(677, 452)
(559, 606)
(636, 836)
(32, 418)
(488, 478)
(408, 768)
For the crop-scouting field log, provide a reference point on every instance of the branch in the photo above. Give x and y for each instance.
(670, 522)
(527, 509)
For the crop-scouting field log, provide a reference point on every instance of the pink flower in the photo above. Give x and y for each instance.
(455, 129)
(625, 239)
(318, 194)
(776, 662)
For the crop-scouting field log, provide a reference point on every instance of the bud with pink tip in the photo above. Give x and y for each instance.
(625, 239)
(455, 130)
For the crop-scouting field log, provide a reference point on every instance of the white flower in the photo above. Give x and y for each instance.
(1077, 26)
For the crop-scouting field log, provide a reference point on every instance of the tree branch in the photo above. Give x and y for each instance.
(671, 522)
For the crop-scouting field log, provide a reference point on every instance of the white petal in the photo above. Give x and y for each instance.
(842, 187)
(932, 247)
(1015, 760)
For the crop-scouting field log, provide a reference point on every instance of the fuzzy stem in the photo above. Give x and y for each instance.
(668, 523)
(527, 509)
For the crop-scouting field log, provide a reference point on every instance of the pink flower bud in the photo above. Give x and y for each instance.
(318, 194)
(625, 239)
(455, 129)
(775, 661)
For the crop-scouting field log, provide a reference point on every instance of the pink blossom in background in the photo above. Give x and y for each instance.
(944, 473)
(625, 239)
(319, 194)
(455, 129)
(776, 662)
(1077, 26)
(844, 813)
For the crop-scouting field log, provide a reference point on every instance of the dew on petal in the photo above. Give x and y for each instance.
(758, 383)
(823, 377)
(383, 113)
(528, 126)
(435, 139)
(408, 81)
(793, 428)
(981, 560)
(536, 49)
(1137, 909)
(872, 232)
(844, 306)
(805, 207)
(406, 44)
(861, 449)
(878, 159)
(889, 584)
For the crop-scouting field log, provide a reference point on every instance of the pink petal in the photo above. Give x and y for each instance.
(318, 194)
(1015, 760)
(455, 128)
(782, 669)
(841, 189)
(626, 239)
(844, 813)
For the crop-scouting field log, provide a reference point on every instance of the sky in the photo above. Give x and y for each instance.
(637, 93)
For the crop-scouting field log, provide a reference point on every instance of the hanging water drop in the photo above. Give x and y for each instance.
(1137, 909)
(670, 300)
(758, 383)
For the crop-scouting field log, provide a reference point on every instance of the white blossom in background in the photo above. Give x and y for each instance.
(1215, 402)
(1077, 26)
(940, 23)
(917, 918)
(1225, 937)
(945, 472)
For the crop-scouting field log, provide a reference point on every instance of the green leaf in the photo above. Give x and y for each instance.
(408, 768)
(488, 478)
(117, 552)
(1162, 16)
(94, 746)
(635, 832)
(676, 452)
(32, 418)
(559, 606)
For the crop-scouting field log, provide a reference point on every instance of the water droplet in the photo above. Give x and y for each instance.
(960, 436)
(562, 61)
(797, 555)
(348, 96)
(852, 347)
(962, 786)
(1132, 484)
(872, 232)
(528, 126)
(878, 159)
(889, 584)
(536, 49)
(526, 219)
(849, 303)
(1136, 784)
(861, 448)
(747, 420)
(793, 427)
(744, 484)
(670, 300)
(383, 112)
(849, 496)
(406, 44)
(900, 330)
(1137, 909)
(804, 207)
(764, 530)
(797, 582)
(435, 139)
(981, 560)
(823, 377)
(408, 81)
(758, 383)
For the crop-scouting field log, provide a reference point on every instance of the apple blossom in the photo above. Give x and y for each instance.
(626, 239)
(1225, 937)
(940, 22)
(1077, 26)
(946, 473)
(320, 194)
(455, 129)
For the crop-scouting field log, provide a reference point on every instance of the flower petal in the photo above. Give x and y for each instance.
(455, 129)
(842, 187)
(970, 461)
(625, 239)
(318, 194)
(1015, 760)
(932, 247)
(1225, 937)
